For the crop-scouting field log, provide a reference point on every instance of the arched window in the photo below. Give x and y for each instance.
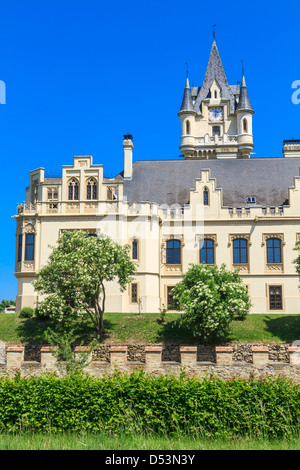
(73, 190)
(205, 197)
(273, 250)
(207, 251)
(216, 94)
(187, 127)
(91, 189)
(240, 254)
(134, 247)
(173, 252)
(245, 125)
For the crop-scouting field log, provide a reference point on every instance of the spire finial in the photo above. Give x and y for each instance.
(214, 32)
(242, 67)
(187, 69)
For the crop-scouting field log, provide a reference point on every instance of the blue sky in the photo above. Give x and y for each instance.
(79, 75)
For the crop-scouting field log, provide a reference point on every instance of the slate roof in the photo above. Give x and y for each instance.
(169, 181)
(187, 103)
(216, 71)
(244, 102)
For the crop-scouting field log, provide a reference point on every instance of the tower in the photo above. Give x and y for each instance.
(216, 118)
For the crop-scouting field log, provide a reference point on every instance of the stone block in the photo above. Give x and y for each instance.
(224, 355)
(188, 356)
(260, 355)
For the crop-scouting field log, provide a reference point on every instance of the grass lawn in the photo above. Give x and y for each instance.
(86, 441)
(146, 328)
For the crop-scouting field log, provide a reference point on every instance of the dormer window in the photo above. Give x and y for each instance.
(251, 200)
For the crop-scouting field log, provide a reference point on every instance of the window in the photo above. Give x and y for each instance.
(134, 246)
(216, 131)
(275, 297)
(240, 251)
(273, 250)
(73, 190)
(245, 125)
(205, 197)
(52, 194)
(173, 252)
(112, 193)
(29, 247)
(91, 189)
(216, 94)
(20, 243)
(134, 293)
(171, 302)
(207, 251)
(187, 127)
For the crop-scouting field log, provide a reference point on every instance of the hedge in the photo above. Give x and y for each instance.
(141, 403)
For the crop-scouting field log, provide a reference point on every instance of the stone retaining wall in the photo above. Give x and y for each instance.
(223, 361)
(171, 352)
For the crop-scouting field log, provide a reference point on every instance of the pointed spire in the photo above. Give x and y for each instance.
(244, 102)
(215, 71)
(187, 103)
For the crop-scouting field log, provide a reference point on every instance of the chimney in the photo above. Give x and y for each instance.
(128, 146)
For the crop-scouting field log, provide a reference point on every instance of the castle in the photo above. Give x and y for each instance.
(215, 204)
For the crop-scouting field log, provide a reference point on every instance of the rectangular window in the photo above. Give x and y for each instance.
(207, 251)
(240, 251)
(171, 303)
(20, 243)
(275, 297)
(134, 293)
(29, 247)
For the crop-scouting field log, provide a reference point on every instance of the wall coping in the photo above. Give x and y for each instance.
(188, 348)
(224, 349)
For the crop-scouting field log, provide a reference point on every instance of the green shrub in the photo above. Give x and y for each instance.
(141, 403)
(211, 297)
(26, 312)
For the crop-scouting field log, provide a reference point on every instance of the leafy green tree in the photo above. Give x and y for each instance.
(6, 303)
(211, 298)
(74, 278)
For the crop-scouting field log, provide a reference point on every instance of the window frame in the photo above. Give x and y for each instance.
(20, 248)
(173, 250)
(132, 301)
(277, 307)
(73, 189)
(239, 249)
(135, 249)
(271, 251)
(28, 245)
(204, 249)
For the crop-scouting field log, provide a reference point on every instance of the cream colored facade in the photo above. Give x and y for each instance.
(82, 198)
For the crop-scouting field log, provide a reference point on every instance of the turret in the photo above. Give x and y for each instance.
(244, 113)
(187, 119)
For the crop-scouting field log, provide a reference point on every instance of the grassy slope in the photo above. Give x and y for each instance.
(146, 328)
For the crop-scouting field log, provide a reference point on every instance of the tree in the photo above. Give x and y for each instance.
(6, 303)
(211, 298)
(75, 276)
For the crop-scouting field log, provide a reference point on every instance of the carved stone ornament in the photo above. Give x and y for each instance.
(29, 226)
(209, 236)
(235, 236)
(267, 236)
